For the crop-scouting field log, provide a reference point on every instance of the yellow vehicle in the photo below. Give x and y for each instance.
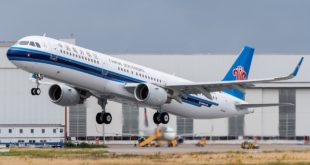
(202, 142)
(249, 145)
(148, 141)
(156, 140)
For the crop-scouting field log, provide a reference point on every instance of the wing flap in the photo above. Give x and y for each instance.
(245, 106)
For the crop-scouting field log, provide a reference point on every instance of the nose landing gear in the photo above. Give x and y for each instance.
(37, 90)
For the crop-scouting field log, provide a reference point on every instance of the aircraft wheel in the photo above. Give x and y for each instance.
(99, 119)
(33, 91)
(164, 117)
(37, 91)
(156, 118)
(107, 118)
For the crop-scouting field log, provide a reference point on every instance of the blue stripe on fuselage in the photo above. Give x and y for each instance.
(21, 54)
(43, 57)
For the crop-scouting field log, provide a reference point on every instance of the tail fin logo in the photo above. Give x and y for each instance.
(239, 73)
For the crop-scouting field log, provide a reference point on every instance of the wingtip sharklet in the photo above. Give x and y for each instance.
(297, 67)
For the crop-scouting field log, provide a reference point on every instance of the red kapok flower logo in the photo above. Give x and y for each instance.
(239, 73)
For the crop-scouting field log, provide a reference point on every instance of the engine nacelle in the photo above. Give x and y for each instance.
(64, 95)
(151, 94)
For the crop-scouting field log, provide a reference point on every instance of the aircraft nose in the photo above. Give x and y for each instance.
(14, 52)
(9, 53)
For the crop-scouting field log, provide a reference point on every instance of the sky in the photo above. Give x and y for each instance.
(164, 26)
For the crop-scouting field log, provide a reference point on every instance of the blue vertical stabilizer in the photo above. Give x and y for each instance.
(240, 70)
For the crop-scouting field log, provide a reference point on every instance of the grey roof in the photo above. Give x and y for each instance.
(6, 43)
(31, 125)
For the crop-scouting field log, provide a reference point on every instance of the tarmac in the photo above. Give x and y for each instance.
(190, 148)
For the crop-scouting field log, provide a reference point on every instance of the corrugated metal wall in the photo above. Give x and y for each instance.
(130, 119)
(287, 114)
(77, 121)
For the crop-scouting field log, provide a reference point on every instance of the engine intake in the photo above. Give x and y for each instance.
(151, 94)
(64, 95)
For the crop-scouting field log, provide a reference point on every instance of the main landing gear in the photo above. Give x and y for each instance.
(37, 90)
(103, 117)
(161, 117)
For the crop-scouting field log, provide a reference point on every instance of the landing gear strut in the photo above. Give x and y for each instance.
(161, 117)
(37, 90)
(103, 117)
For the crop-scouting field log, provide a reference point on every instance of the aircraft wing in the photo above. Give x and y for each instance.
(207, 87)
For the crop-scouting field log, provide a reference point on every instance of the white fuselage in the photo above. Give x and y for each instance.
(106, 76)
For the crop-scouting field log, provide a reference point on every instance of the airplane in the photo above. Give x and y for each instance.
(168, 133)
(82, 73)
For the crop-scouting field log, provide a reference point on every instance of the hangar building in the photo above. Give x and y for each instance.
(19, 107)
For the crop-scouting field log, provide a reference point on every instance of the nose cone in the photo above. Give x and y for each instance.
(12, 52)
(9, 52)
(15, 53)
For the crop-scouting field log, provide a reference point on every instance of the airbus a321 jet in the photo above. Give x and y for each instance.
(82, 73)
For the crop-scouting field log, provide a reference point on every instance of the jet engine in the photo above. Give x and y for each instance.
(64, 95)
(151, 94)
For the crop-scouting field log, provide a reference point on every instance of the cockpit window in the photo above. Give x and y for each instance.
(38, 45)
(23, 42)
(32, 43)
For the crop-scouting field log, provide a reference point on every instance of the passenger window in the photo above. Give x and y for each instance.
(74, 50)
(38, 45)
(68, 48)
(95, 55)
(23, 42)
(81, 52)
(32, 43)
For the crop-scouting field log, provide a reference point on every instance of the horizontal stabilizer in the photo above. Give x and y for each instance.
(245, 106)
